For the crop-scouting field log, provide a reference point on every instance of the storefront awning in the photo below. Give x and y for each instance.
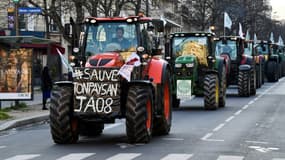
(32, 42)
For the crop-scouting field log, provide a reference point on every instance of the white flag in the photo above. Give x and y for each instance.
(64, 61)
(280, 41)
(240, 31)
(247, 37)
(227, 21)
(271, 37)
(255, 38)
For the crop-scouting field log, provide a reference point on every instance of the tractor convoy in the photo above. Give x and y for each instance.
(130, 68)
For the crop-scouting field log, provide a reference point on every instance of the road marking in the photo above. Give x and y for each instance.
(173, 139)
(177, 157)
(278, 159)
(245, 107)
(1, 147)
(230, 118)
(251, 102)
(238, 112)
(263, 149)
(76, 156)
(24, 157)
(124, 156)
(219, 127)
(255, 99)
(230, 157)
(112, 126)
(207, 136)
(257, 142)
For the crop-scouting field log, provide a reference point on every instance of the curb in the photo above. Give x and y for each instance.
(24, 121)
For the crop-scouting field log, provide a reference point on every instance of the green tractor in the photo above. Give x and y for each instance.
(196, 69)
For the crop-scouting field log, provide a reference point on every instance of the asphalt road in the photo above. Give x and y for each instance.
(247, 128)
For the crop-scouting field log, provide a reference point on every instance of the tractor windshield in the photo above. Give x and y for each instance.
(248, 49)
(190, 46)
(110, 37)
(262, 49)
(230, 48)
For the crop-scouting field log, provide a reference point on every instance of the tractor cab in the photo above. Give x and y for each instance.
(111, 41)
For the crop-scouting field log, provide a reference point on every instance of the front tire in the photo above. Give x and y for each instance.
(252, 82)
(211, 92)
(64, 128)
(139, 114)
(162, 122)
(243, 84)
(223, 89)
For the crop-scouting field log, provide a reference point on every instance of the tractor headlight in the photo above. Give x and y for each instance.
(189, 65)
(178, 65)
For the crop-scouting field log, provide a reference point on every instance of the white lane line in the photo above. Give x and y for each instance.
(245, 107)
(219, 127)
(257, 142)
(230, 118)
(214, 140)
(278, 159)
(255, 99)
(112, 126)
(238, 112)
(222, 157)
(76, 156)
(251, 102)
(1, 147)
(207, 136)
(124, 156)
(177, 157)
(23, 157)
(173, 139)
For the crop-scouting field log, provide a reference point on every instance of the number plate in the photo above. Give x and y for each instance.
(183, 89)
(97, 90)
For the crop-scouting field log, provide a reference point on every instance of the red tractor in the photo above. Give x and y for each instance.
(116, 74)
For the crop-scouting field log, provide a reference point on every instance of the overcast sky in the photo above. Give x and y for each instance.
(278, 9)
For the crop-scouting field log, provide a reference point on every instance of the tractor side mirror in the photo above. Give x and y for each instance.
(224, 41)
(159, 25)
(245, 45)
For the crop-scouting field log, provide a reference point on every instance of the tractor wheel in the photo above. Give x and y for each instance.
(252, 82)
(258, 76)
(223, 89)
(162, 122)
(64, 128)
(244, 83)
(272, 71)
(211, 92)
(91, 129)
(263, 74)
(139, 114)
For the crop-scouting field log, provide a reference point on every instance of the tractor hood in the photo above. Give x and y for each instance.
(106, 60)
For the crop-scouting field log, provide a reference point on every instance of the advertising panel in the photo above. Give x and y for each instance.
(16, 74)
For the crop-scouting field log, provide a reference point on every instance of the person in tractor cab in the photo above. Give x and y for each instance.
(124, 43)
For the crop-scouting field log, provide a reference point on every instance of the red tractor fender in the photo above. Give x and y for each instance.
(156, 69)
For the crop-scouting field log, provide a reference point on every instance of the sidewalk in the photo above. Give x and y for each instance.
(32, 114)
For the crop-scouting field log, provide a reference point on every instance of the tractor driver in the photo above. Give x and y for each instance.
(124, 43)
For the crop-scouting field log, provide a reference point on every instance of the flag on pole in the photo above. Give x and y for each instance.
(64, 61)
(271, 37)
(240, 31)
(227, 21)
(247, 37)
(280, 41)
(255, 38)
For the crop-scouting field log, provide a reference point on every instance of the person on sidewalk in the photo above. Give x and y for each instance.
(46, 86)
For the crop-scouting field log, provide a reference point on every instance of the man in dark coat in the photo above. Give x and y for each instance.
(46, 86)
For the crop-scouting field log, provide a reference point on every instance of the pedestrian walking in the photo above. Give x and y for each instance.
(46, 86)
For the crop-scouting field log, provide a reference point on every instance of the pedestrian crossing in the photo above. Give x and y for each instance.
(125, 156)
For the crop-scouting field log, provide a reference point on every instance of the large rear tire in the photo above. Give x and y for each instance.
(139, 114)
(244, 83)
(223, 89)
(211, 92)
(162, 122)
(64, 128)
(272, 73)
(252, 82)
